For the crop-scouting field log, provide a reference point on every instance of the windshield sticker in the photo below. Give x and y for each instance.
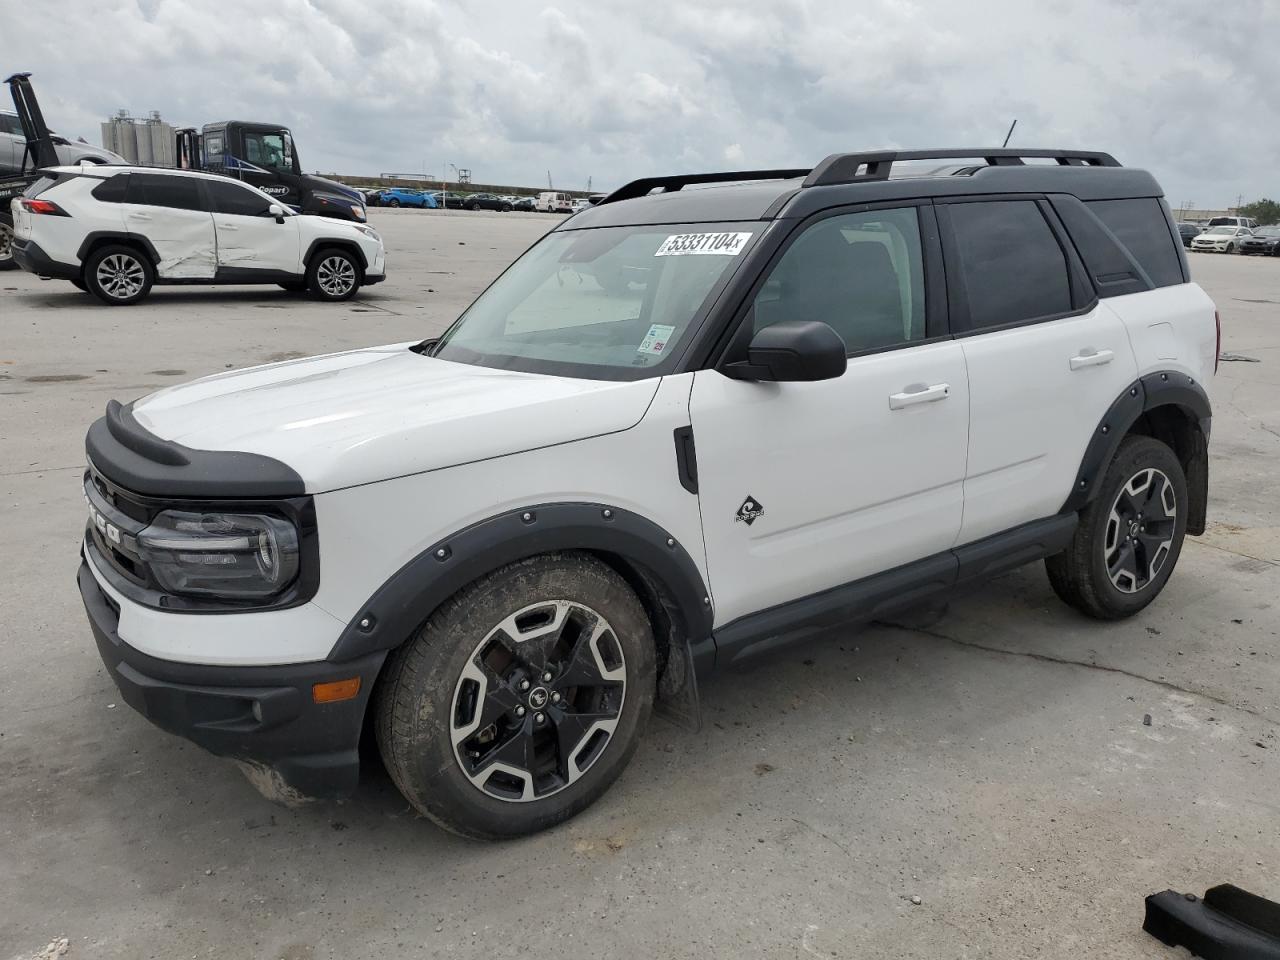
(724, 244)
(656, 340)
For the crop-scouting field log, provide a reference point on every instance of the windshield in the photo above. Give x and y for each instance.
(613, 303)
(1230, 230)
(1268, 231)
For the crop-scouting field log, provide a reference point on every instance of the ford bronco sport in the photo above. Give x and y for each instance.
(686, 427)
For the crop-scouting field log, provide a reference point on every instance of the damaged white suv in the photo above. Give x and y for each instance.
(687, 427)
(116, 231)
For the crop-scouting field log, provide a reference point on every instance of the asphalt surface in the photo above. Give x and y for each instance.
(990, 759)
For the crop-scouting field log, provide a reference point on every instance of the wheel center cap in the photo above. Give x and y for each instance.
(1134, 528)
(538, 697)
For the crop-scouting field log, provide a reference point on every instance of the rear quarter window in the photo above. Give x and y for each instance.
(1141, 226)
(112, 190)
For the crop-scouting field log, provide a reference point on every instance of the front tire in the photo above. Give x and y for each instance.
(333, 275)
(522, 698)
(6, 244)
(393, 203)
(118, 275)
(1231, 248)
(1129, 538)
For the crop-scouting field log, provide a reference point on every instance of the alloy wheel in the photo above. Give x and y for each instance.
(336, 276)
(1140, 529)
(6, 243)
(120, 276)
(538, 701)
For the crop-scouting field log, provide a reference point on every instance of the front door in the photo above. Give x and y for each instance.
(249, 238)
(268, 165)
(169, 211)
(1045, 360)
(807, 486)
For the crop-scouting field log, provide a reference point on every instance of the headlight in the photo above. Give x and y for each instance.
(357, 211)
(369, 232)
(231, 555)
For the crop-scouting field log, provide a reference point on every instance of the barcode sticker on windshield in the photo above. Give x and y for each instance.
(724, 244)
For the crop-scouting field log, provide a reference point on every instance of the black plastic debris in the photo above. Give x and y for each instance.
(1227, 924)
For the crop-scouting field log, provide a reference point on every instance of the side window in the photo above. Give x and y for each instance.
(1014, 269)
(182, 193)
(860, 273)
(268, 150)
(1141, 226)
(231, 198)
(112, 190)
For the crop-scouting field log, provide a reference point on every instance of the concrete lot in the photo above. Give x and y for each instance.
(991, 760)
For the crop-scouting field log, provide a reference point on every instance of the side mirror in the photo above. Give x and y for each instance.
(794, 350)
(277, 211)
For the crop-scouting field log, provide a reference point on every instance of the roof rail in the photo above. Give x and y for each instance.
(858, 167)
(645, 185)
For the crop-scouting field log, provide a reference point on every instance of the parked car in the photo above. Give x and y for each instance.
(581, 203)
(524, 203)
(405, 197)
(448, 199)
(115, 231)
(1247, 222)
(372, 196)
(1188, 232)
(1265, 241)
(486, 201)
(1221, 239)
(851, 438)
(551, 202)
(13, 144)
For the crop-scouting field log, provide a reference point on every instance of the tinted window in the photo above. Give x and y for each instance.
(231, 198)
(860, 273)
(160, 191)
(112, 190)
(1014, 269)
(1140, 225)
(10, 124)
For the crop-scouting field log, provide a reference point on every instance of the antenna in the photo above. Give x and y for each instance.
(1009, 134)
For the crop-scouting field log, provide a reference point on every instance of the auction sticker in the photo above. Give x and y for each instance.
(656, 340)
(682, 244)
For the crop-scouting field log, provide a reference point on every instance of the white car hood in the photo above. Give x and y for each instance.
(374, 414)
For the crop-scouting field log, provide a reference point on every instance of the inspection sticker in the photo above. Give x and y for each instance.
(724, 244)
(656, 340)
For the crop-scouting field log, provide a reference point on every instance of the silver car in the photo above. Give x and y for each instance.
(13, 143)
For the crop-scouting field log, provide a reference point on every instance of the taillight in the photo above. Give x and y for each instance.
(1217, 348)
(43, 206)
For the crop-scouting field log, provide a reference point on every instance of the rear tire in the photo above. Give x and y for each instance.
(118, 275)
(1129, 538)
(522, 698)
(6, 243)
(506, 208)
(79, 284)
(333, 275)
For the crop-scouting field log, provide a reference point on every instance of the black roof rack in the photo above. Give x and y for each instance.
(646, 185)
(877, 165)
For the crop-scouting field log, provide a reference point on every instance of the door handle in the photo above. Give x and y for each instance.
(227, 226)
(139, 216)
(919, 393)
(1089, 357)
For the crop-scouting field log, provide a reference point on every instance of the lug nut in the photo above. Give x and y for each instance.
(520, 711)
(524, 684)
(538, 718)
(555, 698)
(546, 677)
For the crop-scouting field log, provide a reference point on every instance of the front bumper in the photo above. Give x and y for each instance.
(263, 716)
(30, 257)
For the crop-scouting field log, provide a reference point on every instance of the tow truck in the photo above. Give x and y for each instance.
(264, 155)
(39, 152)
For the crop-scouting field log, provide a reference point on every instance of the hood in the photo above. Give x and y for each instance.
(332, 186)
(369, 415)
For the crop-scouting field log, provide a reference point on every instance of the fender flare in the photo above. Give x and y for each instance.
(1162, 388)
(131, 239)
(342, 242)
(402, 604)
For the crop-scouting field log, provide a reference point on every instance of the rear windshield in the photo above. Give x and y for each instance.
(612, 303)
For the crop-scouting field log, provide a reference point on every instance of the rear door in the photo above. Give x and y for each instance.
(1045, 358)
(169, 211)
(249, 237)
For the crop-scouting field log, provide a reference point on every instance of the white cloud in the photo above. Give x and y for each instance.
(615, 90)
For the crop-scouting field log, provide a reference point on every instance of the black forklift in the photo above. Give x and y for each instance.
(264, 156)
(39, 152)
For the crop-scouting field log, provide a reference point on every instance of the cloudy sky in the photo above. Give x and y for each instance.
(614, 90)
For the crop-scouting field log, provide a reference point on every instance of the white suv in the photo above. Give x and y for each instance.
(116, 231)
(682, 430)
